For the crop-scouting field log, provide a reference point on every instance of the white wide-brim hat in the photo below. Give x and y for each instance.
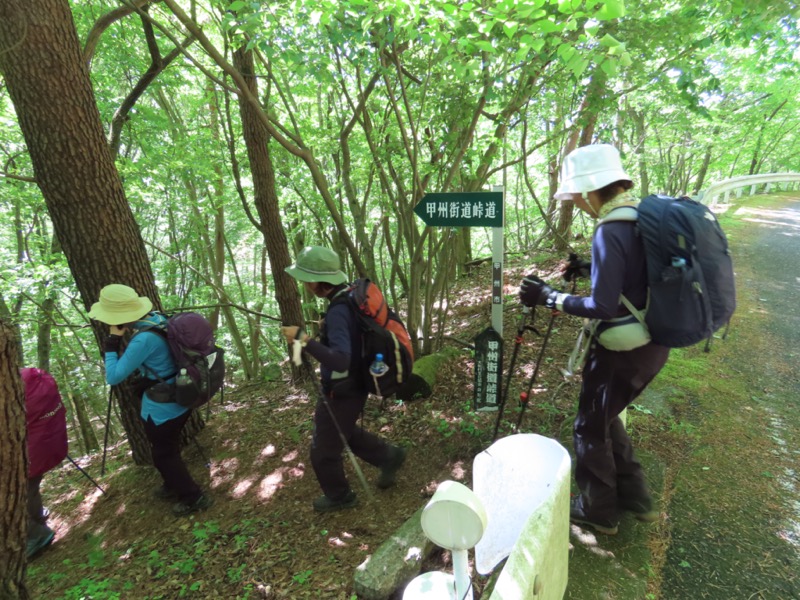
(589, 168)
(119, 304)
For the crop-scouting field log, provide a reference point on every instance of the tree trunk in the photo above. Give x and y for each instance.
(257, 140)
(85, 431)
(641, 135)
(14, 474)
(49, 85)
(587, 119)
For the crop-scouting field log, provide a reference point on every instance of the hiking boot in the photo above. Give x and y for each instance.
(579, 517)
(389, 469)
(40, 542)
(642, 508)
(182, 509)
(164, 493)
(325, 504)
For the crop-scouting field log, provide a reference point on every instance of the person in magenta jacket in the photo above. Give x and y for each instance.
(47, 447)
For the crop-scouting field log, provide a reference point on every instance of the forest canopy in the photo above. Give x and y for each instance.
(241, 131)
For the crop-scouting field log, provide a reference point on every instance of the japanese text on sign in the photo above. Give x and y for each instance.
(488, 369)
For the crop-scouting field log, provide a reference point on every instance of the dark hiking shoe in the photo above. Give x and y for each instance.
(642, 508)
(577, 516)
(325, 504)
(164, 493)
(37, 544)
(397, 456)
(182, 509)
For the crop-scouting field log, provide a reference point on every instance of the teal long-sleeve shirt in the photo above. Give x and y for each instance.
(148, 353)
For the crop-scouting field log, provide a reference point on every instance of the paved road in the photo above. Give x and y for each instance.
(723, 544)
(774, 257)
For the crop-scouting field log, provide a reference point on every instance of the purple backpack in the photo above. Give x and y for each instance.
(191, 343)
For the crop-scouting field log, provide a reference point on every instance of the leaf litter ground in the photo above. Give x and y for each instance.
(262, 539)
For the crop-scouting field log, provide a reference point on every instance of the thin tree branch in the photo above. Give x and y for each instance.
(105, 22)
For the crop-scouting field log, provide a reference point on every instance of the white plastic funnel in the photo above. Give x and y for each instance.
(454, 518)
(513, 477)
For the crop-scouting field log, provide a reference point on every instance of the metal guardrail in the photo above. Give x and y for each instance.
(738, 184)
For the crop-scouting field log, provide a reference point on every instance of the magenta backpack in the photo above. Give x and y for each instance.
(46, 421)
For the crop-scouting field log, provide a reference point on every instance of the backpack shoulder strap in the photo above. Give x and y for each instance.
(639, 314)
(155, 322)
(623, 213)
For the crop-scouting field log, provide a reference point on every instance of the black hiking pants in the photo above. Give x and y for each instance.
(605, 464)
(327, 445)
(165, 444)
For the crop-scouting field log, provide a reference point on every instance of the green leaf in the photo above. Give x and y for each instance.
(236, 5)
(577, 64)
(609, 67)
(617, 50)
(568, 6)
(565, 51)
(547, 26)
(510, 28)
(612, 9)
(609, 41)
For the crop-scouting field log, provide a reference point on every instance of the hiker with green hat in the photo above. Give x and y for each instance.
(343, 394)
(148, 355)
(620, 360)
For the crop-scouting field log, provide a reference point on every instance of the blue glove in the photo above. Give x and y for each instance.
(535, 292)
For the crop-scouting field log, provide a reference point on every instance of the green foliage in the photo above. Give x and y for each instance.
(303, 578)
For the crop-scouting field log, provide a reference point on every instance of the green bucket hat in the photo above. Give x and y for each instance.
(315, 263)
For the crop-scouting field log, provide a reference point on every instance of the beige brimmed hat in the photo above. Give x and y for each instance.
(119, 304)
(315, 263)
(589, 168)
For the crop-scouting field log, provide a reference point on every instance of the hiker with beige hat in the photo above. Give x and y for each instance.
(148, 354)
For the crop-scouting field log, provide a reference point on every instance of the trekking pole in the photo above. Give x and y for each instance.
(524, 397)
(296, 358)
(85, 474)
(526, 312)
(105, 437)
(707, 347)
(206, 460)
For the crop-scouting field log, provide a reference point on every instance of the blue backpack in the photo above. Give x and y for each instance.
(689, 269)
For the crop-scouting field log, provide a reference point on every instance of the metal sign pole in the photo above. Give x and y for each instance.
(497, 269)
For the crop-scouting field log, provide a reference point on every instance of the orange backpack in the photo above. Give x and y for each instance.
(382, 333)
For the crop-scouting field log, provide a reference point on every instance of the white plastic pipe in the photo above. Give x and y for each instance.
(461, 573)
